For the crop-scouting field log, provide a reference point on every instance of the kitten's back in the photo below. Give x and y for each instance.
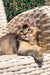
(8, 45)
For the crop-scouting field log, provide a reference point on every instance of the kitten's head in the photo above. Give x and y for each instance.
(27, 31)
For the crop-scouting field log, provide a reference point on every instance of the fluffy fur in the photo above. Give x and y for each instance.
(27, 43)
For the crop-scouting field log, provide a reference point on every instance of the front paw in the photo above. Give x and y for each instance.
(36, 54)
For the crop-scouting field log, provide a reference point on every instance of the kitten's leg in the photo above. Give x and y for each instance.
(14, 45)
(6, 46)
(35, 53)
(26, 49)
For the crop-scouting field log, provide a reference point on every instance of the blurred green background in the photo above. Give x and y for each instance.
(15, 7)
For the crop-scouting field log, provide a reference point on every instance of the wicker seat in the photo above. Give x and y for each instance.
(24, 65)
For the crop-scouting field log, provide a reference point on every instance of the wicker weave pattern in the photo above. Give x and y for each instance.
(3, 20)
(22, 65)
(42, 17)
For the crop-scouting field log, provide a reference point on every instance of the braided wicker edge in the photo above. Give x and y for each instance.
(24, 65)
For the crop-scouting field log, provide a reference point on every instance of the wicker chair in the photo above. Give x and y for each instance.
(23, 65)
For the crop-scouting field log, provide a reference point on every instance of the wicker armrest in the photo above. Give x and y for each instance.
(24, 65)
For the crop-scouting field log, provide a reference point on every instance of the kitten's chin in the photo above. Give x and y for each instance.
(27, 39)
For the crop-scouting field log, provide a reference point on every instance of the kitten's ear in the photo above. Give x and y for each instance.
(32, 21)
(18, 24)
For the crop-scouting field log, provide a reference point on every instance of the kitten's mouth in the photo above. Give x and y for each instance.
(26, 38)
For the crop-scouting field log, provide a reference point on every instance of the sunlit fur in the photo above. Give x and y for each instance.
(28, 33)
(28, 43)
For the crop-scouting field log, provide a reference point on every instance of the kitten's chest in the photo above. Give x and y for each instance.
(24, 45)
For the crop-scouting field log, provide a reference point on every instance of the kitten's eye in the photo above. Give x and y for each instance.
(21, 32)
(29, 29)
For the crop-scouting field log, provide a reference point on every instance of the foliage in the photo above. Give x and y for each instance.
(15, 7)
(48, 2)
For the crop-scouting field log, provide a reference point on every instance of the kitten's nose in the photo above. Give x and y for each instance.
(24, 34)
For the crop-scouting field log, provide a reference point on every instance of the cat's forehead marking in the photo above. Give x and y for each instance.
(25, 26)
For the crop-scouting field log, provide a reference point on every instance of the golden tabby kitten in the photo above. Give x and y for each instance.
(27, 43)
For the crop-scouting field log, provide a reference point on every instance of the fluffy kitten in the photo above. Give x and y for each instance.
(27, 43)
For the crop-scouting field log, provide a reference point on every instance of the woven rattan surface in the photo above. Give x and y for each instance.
(3, 20)
(24, 65)
(42, 17)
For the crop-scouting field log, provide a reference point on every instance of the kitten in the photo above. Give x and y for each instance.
(8, 45)
(27, 42)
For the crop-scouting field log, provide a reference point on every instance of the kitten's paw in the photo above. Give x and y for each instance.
(39, 56)
(36, 54)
